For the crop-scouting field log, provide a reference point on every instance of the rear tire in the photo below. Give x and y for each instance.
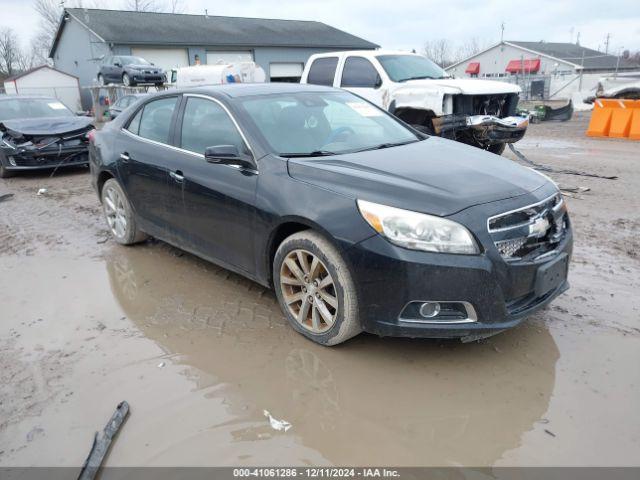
(119, 214)
(315, 289)
(126, 80)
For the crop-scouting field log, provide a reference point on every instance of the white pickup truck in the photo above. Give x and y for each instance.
(412, 87)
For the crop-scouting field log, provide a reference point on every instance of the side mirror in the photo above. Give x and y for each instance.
(117, 64)
(378, 83)
(227, 155)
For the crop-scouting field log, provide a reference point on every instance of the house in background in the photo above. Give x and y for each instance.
(280, 47)
(544, 58)
(544, 70)
(48, 81)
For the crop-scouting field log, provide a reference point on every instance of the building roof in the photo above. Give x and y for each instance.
(566, 52)
(593, 59)
(31, 70)
(148, 28)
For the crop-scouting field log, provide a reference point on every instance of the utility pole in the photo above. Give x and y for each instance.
(606, 43)
(578, 39)
(502, 32)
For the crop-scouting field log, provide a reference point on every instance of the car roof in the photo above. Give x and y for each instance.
(364, 53)
(235, 90)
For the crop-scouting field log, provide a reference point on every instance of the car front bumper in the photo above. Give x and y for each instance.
(44, 159)
(147, 77)
(485, 129)
(502, 293)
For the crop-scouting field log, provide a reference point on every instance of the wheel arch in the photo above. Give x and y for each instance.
(287, 227)
(103, 176)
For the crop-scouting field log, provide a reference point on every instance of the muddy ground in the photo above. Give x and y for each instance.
(199, 352)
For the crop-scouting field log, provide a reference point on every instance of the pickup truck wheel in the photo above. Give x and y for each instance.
(315, 289)
(119, 214)
(497, 148)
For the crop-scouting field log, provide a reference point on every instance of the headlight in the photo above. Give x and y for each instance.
(418, 231)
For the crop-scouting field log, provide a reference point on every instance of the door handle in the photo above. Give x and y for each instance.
(124, 156)
(177, 176)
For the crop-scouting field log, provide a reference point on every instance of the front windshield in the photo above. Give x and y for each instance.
(323, 123)
(401, 68)
(32, 108)
(134, 61)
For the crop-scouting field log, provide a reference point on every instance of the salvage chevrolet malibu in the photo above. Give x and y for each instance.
(355, 219)
(40, 133)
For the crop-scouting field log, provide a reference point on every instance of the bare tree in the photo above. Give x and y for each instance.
(439, 51)
(10, 52)
(176, 6)
(50, 13)
(144, 5)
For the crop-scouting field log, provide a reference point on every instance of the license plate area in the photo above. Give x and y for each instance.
(551, 275)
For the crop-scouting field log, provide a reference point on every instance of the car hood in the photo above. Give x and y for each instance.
(464, 86)
(45, 126)
(435, 176)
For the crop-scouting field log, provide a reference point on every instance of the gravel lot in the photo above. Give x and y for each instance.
(199, 352)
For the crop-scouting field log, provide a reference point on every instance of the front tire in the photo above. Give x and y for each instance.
(4, 173)
(497, 148)
(101, 80)
(119, 214)
(315, 289)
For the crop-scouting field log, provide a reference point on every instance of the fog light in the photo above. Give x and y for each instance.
(429, 309)
(12, 161)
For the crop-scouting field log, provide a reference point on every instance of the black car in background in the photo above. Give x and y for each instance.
(38, 132)
(123, 103)
(356, 220)
(129, 71)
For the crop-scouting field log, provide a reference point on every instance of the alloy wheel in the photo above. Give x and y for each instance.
(126, 80)
(115, 212)
(309, 291)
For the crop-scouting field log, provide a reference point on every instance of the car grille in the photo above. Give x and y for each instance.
(500, 105)
(532, 231)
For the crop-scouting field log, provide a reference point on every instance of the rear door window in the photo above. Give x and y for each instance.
(155, 122)
(359, 72)
(323, 71)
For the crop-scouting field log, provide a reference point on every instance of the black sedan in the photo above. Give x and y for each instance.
(356, 220)
(40, 133)
(129, 71)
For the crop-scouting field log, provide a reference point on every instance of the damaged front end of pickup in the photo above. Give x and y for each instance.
(41, 144)
(486, 121)
(481, 130)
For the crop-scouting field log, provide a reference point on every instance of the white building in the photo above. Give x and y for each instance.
(546, 58)
(45, 80)
(542, 69)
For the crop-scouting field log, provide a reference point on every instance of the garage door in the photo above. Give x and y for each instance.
(166, 58)
(228, 56)
(285, 72)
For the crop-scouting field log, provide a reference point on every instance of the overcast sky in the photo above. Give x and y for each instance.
(407, 24)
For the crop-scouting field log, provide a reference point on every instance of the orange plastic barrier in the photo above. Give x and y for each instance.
(615, 118)
(634, 128)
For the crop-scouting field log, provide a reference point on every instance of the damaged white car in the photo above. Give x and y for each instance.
(476, 112)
